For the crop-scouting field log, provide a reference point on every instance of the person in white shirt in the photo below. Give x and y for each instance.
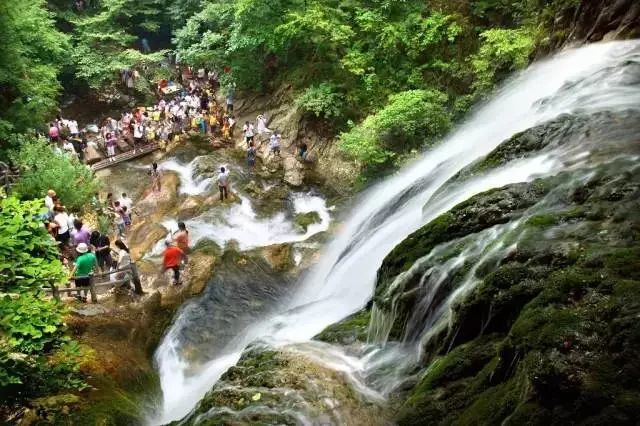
(73, 128)
(69, 149)
(262, 125)
(61, 218)
(138, 134)
(274, 143)
(248, 132)
(223, 183)
(48, 200)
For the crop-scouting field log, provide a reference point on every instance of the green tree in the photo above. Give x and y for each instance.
(44, 168)
(411, 120)
(32, 52)
(32, 330)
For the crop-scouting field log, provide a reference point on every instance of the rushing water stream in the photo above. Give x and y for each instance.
(342, 282)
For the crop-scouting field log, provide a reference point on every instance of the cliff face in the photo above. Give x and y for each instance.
(522, 299)
(590, 21)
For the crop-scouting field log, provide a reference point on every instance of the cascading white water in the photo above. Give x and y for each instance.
(343, 281)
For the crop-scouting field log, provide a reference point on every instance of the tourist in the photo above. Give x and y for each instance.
(262, 125)
(226, 130)
(48, 201)
(124, 263)
(251, 157)
(229, 102)
(232, 125)
(223, 183)
(126, 216)
(302, 153)
(156, 176)
(54, 133)
(110, 202)
(138, 135)
(247, 130)
(73, 128)
(111, 146)
(118, 216)
(274, 144)
(181, 237)
(61, 218)
(171, 259)
(85, 264)
(126, 201)
(80, 233)
(102, 247)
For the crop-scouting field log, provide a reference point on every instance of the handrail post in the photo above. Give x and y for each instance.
(55, 292)
(137, 285)
(92, 290)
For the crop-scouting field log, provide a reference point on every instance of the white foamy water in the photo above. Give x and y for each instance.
(188, 184)
(241, 224)
(343, 281)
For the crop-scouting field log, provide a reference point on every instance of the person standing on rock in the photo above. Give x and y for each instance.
(181, 238)
(274, 144)
(251, 157)
(171, 259)
(223, 183)
(247, 129)
(229, 101)
(156, 175)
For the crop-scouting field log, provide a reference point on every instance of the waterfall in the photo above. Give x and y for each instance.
(584, 79)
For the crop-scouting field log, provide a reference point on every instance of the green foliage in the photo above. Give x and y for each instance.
(321, 100)
(411, 120)
(103, 40)
(32, 52)
(28, 255)
(31, 327)
(45, 169)
(502, 51)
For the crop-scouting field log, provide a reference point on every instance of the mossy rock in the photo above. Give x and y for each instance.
(304, 220)
(352, 329)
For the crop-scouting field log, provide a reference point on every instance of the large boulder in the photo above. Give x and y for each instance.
(143, 236)
(293, 171)
(155, 205)
(199, 271)
(279, 256)
(92, 153)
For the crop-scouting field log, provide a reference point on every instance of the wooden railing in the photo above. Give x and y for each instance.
(7, 177)
(96, 282)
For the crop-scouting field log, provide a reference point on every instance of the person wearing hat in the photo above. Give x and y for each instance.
(84, 266)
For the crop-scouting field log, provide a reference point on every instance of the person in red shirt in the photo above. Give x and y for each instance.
(171, 259)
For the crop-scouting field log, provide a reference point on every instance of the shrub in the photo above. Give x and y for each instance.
(44, 168)
(411, 120)
(321, 100)
(502, 51)
(31, 327)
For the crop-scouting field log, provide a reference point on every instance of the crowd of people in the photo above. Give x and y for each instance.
(191, 107)
(85, 251)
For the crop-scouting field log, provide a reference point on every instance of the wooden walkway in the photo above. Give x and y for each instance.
(125, 156)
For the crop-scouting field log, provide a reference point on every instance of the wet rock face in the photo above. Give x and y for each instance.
(282, 387)
(543, 329)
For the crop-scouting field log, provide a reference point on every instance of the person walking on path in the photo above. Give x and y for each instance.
(61, 218)
(102, 247)
(119, 219)
(171, 259)
(80, 233)
(111, 146)
(223, 183)
(84, 266)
